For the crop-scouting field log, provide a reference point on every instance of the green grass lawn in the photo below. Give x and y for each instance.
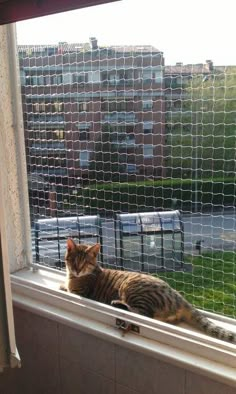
(212, 283)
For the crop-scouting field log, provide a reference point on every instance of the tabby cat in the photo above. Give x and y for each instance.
(132, 291)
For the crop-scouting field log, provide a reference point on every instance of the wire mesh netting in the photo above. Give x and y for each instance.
(137, 155)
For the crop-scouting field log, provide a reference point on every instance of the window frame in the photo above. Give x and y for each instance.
(36, 289)
(83, 106)
(14, 207)
(177, 345)
(146, 146)
(147, 127)
(88, 159)
(147, 105)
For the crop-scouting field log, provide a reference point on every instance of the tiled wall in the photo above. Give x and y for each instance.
(57, 359)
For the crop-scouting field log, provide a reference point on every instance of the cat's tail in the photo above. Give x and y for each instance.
(197, 319)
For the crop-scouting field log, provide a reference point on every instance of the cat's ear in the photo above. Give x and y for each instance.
(94, 249)
(70, 245)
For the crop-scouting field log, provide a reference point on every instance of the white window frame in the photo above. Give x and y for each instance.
(94, 76)
(158, 76)
(37, 289)
(147, 105)
(148, 126)
(146, 147)
(87, 160)
(80, 77)
(14, 207)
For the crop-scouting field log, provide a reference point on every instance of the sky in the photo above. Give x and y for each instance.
(188, 31)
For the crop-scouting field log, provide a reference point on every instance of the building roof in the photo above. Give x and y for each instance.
(64, 47)
(134, 48)
(188, 69)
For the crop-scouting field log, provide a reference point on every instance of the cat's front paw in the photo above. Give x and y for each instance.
(62, 287)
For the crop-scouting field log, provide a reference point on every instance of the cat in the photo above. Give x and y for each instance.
(133, 291)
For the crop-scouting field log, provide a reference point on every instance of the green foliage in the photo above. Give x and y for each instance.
(204, 128)
(149, 196)
(211, 285)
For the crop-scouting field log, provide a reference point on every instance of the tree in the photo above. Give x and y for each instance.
(202, 135)
(106, 165)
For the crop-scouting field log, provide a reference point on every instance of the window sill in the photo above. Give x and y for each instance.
(38, 292)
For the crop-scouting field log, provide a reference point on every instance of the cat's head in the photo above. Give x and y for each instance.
(80, 258)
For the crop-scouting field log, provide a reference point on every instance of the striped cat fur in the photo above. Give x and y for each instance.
(132, 291)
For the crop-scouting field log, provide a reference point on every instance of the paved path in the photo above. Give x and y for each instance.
(217, 231)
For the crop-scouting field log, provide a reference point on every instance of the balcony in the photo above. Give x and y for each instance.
(120, 117)
(47, 146)
(43, 120)
(50, 171)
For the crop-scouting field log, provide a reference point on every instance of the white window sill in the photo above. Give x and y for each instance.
(38, 292)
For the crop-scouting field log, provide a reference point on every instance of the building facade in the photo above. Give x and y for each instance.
(74, 94)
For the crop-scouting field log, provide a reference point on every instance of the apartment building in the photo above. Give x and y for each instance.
(177, 78)
(72, 93)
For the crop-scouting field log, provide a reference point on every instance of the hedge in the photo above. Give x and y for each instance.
(158, 195)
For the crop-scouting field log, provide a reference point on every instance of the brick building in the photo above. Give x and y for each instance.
(72, 93)
(177, 78)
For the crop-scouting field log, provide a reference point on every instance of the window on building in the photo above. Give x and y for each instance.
(28, 80)
(83, 131)
(81, 77)
(147, 105)
(39, 107)
(83, 134)
(125, 76)
(59, 134)
(148, 150)
(131, 168)
(84, 158)
(94, 76)
(152, 75)
(40, 80)
(147, 127)
(117, 105)
(56, 79)
(47, 161)
(147, 75)
(113, 78)
(158, 76)
(83, 106)
(48, 107)
(57, 107)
